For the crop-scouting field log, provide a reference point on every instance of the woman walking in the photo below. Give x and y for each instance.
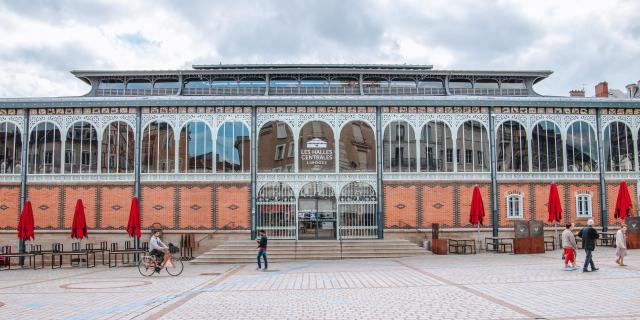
(569, 245)
(621, 245)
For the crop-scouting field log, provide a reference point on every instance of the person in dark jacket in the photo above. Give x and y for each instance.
(262, 249)
(589, 236)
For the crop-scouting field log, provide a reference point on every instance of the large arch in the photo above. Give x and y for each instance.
(11, 148)
(399, 147)
(358, 212)
(472, 147)
(582, 148)
(618, 147)
(81, 148)
(45, 149)
(195, 152)
(316, 147)
(233, 148)
(157, 154)
(276, 147)
(357, 147)
(317, 212)
(436, 147)
(118, 148)
(511, 147)
(546, 147)
(276, 211)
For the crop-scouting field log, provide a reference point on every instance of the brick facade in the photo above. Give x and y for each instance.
(9, 206)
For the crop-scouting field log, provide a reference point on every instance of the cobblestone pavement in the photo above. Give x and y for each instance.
(483, 286)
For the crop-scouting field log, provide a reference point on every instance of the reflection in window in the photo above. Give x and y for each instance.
(472, 143)
(11, 144)
(618, 147)
(158, 148)
(511, 147)
(357, 147)
(81, 148)
(316, 148)
(274, 138)
(436, 140)
(196, 148)
(118, 145)
(45, 149)
(233, 148)
(582, 148)
(546, 147)
(399, 147)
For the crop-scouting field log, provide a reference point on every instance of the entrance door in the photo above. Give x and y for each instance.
(317, 217)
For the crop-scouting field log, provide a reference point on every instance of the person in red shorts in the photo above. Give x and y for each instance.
(569, 245)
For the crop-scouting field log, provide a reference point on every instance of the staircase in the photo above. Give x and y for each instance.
(244, 251)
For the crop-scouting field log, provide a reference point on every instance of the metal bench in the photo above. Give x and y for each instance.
(7, 254)
(125, 254)
(57, 253)
(461, 246)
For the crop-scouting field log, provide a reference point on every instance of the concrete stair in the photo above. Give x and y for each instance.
(244, 251)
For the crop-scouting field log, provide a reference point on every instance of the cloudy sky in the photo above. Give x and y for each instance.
(584, 42)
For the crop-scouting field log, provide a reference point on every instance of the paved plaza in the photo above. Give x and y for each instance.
(483, 286)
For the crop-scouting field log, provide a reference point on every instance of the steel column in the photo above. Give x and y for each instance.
(23, 173)
(494, 176)
(254, 169)
(603, 187)
(137, 165)
(379, 185)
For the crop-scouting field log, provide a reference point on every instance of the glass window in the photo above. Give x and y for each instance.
(403, 83)
(511, 147)
(514, 207)
(139, 84)
(118, 146)
(196, 148)
(166, 84)
(460, 84)
(472, 136)
(513, 84)
(224, 83)
(357, 147)
(233, 148)
(486, 84)
(584, 206)
(546, 146)
(273, 138)
(108, 84)
(45, 149)
(81, 139)
(431, 83)
(196, 83)
(11, 144)
(158, 148)
(436, 139)
(618, 147)
(316, 148)
(582, 148)
(399, 147)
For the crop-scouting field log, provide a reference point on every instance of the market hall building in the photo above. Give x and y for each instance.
(312, 151)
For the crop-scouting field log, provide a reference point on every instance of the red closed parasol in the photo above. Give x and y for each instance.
(133, 227)
(26, 223)
(79, 226)
(623, 204)
(476, 214)
(554, 207)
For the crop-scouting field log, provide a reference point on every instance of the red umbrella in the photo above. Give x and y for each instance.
(553, 206)
(623, 204)
(26, 223)
(476, 214)
(79, 226)
(133, 227)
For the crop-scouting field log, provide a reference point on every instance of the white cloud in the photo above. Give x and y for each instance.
(584, 42)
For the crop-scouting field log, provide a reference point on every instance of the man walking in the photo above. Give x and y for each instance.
(262, 250)
(589, 236)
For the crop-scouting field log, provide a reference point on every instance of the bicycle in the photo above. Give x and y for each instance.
(148, 263)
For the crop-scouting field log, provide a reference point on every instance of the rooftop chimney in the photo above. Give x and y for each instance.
(576, 93)
(602, 90)
(632, 90)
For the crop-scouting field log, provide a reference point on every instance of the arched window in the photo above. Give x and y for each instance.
(515, 206)
(81, 148)
(511, 147)
(276, 211)
(196, 148)
(118, 145)
(357, 147)
(11, 152)
(399, 147)
(546, 147)
(45, 148)
(472, 145)
(233, 148)
(358, 219)
(436, 147)
(618, 147)
(582, 148)
(158, 148)
(317, 212)
(275, 147)
(316, 148)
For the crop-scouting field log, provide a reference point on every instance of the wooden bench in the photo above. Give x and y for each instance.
(57, 253)
(461, 246)
(125, 253)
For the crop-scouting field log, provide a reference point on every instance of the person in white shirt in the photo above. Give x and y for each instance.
(621, 245)
(157, 249)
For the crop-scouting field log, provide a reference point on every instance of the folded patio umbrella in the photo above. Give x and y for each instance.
(476, 214)
(79, 226)
(26, 223)
(553, 205)
(133, 227)
(623, 204)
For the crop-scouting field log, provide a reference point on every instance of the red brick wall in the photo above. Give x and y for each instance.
(46, 203)
(504, 189)
(612, 196)
(438, 205)
(570, 208)
(115, 205)
(157, 205)
(88, 194)
(466, 191)
(196, 211)
(232, 206)
(400, 207)
(9, 206)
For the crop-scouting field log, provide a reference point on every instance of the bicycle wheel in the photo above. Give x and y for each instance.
(174, 267)
(146, 266)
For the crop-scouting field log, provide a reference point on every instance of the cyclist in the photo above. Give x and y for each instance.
(157, 249)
